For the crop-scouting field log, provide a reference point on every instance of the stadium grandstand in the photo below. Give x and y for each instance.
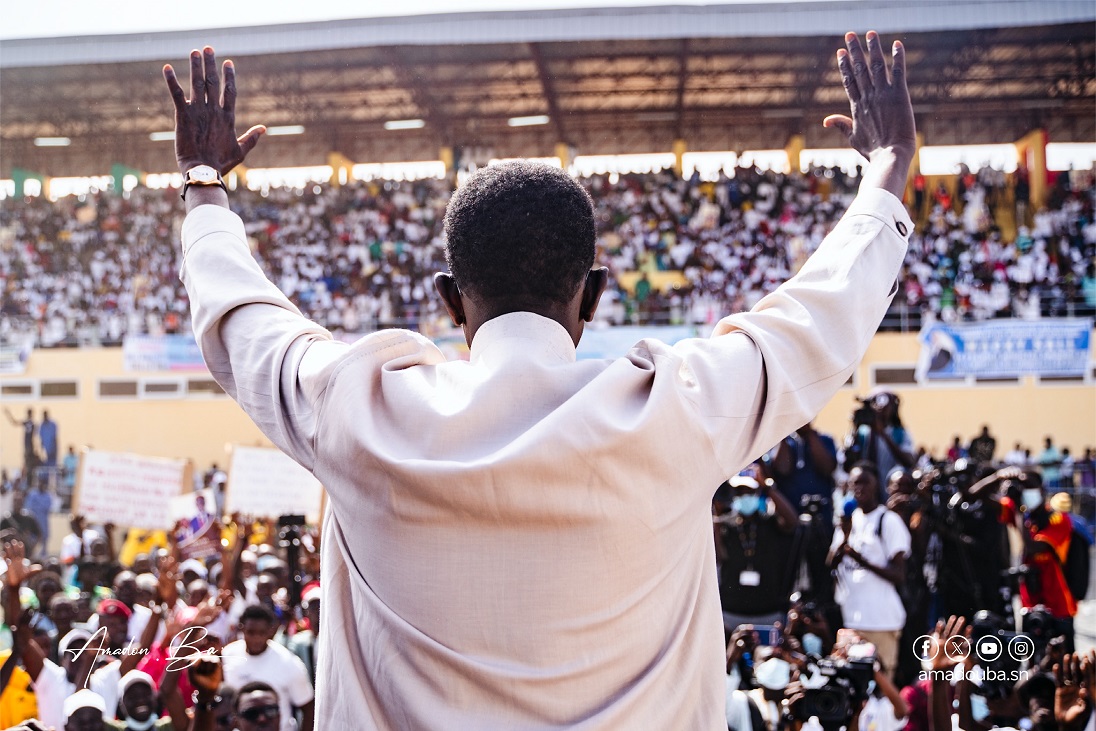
(138, 491)
(695, 128)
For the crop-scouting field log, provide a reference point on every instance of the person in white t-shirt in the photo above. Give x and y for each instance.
(54, 683)
(885, 709)
(871, 564)
(257, 658)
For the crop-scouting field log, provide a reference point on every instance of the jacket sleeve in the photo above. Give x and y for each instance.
(258, 346)
(766, 372)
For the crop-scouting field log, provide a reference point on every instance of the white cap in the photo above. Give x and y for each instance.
(193, 564)
(743, 481)
(76, 635)
(311, 594)
(134, 676)
(83, 699)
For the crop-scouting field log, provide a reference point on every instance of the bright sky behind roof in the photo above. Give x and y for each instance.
(53, 18)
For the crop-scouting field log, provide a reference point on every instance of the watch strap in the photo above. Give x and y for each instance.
(187, 183)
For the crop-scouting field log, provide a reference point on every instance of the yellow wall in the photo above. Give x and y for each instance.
(934, 414)
(200, 427)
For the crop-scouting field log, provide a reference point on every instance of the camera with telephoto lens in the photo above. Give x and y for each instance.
(845, 688)
(864, 414)
(989, 637)
(1042, 627)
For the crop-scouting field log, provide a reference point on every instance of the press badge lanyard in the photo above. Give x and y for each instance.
(748, 577)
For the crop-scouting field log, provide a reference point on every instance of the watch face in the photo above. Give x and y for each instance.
(202, 174)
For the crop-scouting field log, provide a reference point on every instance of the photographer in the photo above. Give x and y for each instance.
(836, 691)
(870, 561)
(905, 500)
(758, 676)
(802, 465)
(1049, 603)
(884, 709)
(975, 547)
(808, 628)
(753, 543)
(879, 437)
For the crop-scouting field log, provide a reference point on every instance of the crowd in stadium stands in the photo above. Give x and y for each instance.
(361, 256)
(837, 562)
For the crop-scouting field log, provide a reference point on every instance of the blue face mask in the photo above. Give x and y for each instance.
(979, 708)
(746, 504)
(812, 644)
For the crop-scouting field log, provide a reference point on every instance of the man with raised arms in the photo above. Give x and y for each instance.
(523, 539)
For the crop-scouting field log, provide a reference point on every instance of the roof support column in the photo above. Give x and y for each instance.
(563, 152)
(1031, 149)
(794, 149)
(445, 154)
(342, 168)
(679, 149)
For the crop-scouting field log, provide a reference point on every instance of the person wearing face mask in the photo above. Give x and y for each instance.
(753, 545)
(771, 675)
(138, 702)
(1047, 535)
(1040, 539)
(807, 624)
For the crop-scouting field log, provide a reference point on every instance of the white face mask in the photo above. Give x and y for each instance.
(1032, 498)
(142, 725)
(979, 708)
(773, 674)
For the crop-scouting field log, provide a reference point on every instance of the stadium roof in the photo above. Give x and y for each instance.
(725, 77)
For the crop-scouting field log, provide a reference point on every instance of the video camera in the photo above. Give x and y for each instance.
(838, 698)
(1042, 627)
(989, 636)
(864, 414)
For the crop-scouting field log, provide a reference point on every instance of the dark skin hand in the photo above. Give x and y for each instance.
(823, 462)
(939, 703)
(1075, 681)
(205, 124)
(881, 126)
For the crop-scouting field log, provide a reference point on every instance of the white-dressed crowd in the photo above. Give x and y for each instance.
(92, 270)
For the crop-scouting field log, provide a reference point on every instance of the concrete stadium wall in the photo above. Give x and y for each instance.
(199, 426)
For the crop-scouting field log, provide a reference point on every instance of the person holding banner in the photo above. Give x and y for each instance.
(524, 539)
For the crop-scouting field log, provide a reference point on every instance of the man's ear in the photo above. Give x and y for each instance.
(596, 282)
(450, 295)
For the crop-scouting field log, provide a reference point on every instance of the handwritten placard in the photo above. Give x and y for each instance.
(129, 490)
(265, 483)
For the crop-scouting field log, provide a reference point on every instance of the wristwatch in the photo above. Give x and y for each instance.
(202, 175)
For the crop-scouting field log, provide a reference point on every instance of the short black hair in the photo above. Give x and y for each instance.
(867, 466)
(253, 686)
(258, 612)
(521, 230)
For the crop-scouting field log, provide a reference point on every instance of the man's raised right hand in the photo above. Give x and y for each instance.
(881, 127)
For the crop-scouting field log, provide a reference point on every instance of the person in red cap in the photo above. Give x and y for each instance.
(114, 617)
